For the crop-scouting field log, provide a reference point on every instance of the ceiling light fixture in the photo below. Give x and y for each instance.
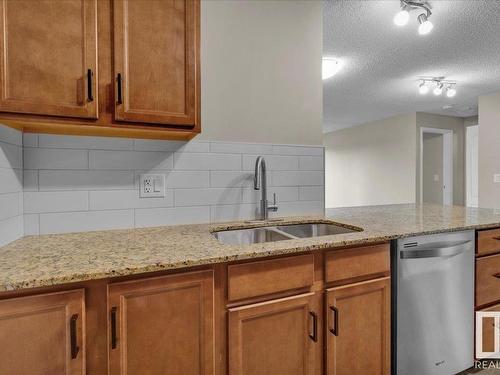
(402, 17)
(441, 85)
(330, 67)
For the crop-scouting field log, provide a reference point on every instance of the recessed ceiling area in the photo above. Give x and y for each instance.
(382, 62)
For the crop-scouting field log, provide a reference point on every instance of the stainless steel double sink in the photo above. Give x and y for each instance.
(281, 232)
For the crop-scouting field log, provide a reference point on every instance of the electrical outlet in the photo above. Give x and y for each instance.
(496, 178)
(152, 185)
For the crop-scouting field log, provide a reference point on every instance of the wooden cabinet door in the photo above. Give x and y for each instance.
(48, 57)
(277, 337)
(156, 49)
(162, 325)
(358, 328)
(43, 334)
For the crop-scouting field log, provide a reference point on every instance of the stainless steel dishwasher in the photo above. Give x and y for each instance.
(433, 304)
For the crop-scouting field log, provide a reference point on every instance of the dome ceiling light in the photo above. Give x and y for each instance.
(440, 85)
(403, 16)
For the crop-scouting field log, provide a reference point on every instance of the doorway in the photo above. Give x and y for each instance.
(436, 166)
(472, 165)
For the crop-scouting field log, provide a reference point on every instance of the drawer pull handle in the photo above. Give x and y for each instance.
(497, 238)
(335, 330)
(90, 96)
(73, 339)
(314, 335)
(497, 275)
(113, 328)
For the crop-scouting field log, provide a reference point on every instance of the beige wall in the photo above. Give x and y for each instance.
(433, 166)
(456, 124)
(489, 150)
(372, 163)
(261, 71)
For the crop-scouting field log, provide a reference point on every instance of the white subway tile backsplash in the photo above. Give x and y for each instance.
(130, 160)
(298, 178)
(74, 183)
(55, 201)
(31, 224)
(30, 140)
(204, 161)
(123, 199)
(241, 148)
(231, 179)
(85, 143)
(11, 205)
(11, 156)
(66, 222)
(150, 217)
(171, 146)
(47, 158)
(85, 180)
(298, 150)
(273, 162)
(233, 212)
(203, 197)
(30, 180)
(311, 193)
(311, 163)
(11, 180)
(11, 229)
(11, 135)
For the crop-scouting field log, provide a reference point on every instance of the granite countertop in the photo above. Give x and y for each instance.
(36, 261)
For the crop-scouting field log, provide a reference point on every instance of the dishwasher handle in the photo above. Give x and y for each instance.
(438, 252)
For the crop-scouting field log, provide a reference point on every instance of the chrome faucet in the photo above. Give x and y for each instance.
(260, 183)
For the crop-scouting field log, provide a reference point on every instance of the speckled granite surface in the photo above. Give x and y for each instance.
(36, 261)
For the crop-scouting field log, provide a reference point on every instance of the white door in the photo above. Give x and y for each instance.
(472, 165)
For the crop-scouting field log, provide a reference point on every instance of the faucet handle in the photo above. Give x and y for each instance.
(273, 207)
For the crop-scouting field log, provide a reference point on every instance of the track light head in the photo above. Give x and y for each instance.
(423, 88)
(402, 17)
(438, 90)
(451, 92)
(425, 26)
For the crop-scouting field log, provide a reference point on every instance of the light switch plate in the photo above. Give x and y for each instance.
(496, 178)
(152, 185)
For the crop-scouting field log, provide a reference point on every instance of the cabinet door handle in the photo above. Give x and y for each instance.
(119, 99)
(497, 238)
(113, 328)
(497, 275)
(90, 96)
(73, 339)
(314, 335)
(335, 330)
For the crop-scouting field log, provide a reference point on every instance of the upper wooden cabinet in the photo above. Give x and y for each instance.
(162, 325)
(155, 63)
(145, 84)
(43, 334)
(48, 57)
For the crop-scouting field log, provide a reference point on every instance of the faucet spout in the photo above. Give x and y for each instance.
(260, 183)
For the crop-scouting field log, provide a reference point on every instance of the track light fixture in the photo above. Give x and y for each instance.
(440, 85)
(402, 17)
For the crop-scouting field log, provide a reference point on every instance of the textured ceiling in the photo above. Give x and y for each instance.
(383, 61)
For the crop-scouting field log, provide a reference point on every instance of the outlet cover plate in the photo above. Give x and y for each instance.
(152, 186)
(496, 178)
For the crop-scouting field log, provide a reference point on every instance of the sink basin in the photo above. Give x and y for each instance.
(314, 229)
(250, 236)
(280, 233)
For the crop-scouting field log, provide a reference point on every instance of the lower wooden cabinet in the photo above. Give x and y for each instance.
(162, 325)
(43, 334)
(358, 328)
(277, 337)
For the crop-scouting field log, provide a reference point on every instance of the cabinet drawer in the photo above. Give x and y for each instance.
(356, 264)
(487, 280)
(265, 277)
(488, 241)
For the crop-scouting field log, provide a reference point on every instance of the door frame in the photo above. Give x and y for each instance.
(447, 163)
(468, 181)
